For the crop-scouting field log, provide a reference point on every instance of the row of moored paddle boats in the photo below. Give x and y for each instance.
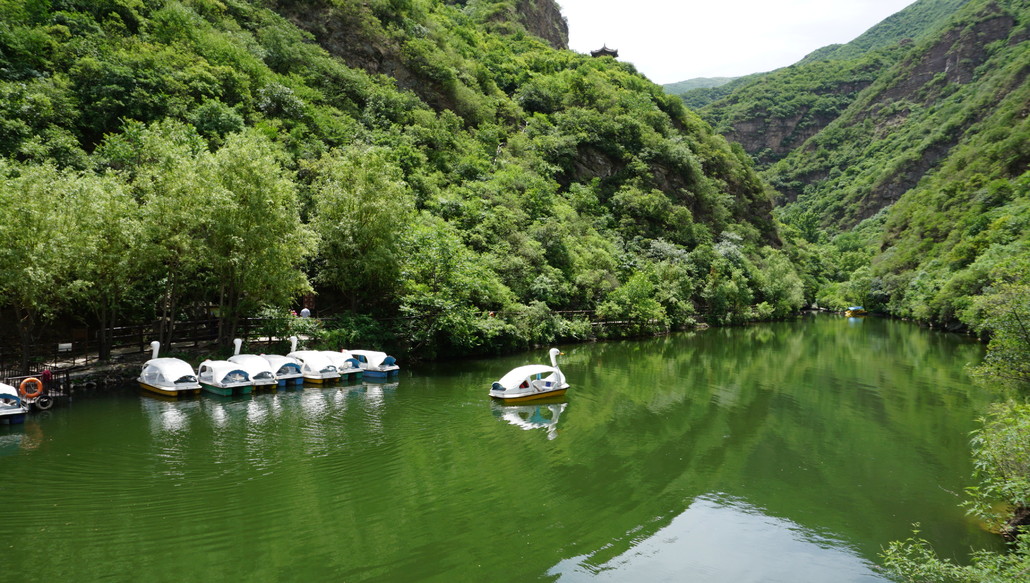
(241, 374)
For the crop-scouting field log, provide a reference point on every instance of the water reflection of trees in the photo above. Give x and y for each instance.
(843, 431)
(818, 418)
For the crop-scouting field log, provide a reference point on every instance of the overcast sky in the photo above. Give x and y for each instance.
(672, 41)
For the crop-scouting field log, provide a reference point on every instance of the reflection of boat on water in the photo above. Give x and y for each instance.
(170, 377)
(384, 387)
(168, 414)
(11, 443)
(377, 391)
(536, 416)
(12, 407)
(854, 311)
(532, 381)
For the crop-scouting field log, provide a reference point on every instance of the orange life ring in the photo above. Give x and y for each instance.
(31, 381)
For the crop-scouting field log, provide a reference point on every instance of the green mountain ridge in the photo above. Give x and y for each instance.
(697, 83)
(911, 24)
(910, 137)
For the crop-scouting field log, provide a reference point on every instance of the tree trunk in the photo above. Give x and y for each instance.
(104, 335)
(26, 324)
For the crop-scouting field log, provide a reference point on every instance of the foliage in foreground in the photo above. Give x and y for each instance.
(1001, 453)
(1001, 458)
(914, 561)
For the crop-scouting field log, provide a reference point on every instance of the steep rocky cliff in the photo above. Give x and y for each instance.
(906, 123)
(771, 114)
(543, 18)
(851, 128)
(773, 118)
(359, 34)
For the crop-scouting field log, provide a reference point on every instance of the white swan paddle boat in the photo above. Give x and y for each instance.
(12, 407)
(346, 364)
(376, 364)
(170, 377)
(315, 366)
(531, 381)
(224, 378)
(262, 376)
(287, 369)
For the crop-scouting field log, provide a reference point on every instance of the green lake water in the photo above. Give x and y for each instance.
(788, 452)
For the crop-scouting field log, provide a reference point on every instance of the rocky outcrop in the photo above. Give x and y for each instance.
(355, 33)
(905, 124)
(543, 18)
(770, 139)
(952, 59)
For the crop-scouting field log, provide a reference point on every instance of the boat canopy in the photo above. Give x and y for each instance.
(223, 371)
(374, 357)
(9, 392)
(516, 375)
(314, 360)
(256, 366)
(168, 370)
(343, 360)
(284, 366)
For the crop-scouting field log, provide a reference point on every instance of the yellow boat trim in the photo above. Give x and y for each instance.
(532, 397)
(168, 393)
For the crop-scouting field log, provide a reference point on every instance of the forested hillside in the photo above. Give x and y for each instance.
(442, 177)
(773, 113)
(903, 161)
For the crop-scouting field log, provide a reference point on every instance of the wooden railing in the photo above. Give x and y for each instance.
(80, 347)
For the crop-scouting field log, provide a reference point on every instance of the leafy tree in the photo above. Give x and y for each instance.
(169, 169)
(257, 242)
(361, 207)
(111, 220)
(45, 242)
(634, 301)
(779, 284)
(914, 561)
(1001, 456)
(1006, 312)
(445, 290)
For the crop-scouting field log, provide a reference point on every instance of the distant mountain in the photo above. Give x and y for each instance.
(699, 97)
(772, 113)
(913, 23)
(696, 83)
(917, 133)
(913, 114)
